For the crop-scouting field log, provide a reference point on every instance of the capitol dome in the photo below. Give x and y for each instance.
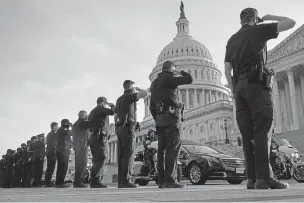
(184, 45)
(185, 51)
(191, 56)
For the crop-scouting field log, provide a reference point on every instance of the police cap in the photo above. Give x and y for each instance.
(250, 12)
(40, 135)
(127, 83)
(101, 99)
(33, 138)
(8, 151)
(19, 149)
(23, 145)
(65, 122)
(29, 142)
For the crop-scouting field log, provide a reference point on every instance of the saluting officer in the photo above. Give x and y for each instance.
(31, 165)
(23, 165)
(126, 120)
(8, 173)
(166, 111)
(51, 143)
(246, 55)
(64, 145)
(80, 142)
(39, 154)
(18, 167)
(99, 126)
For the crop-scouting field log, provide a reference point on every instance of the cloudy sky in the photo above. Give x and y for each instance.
(58, 56)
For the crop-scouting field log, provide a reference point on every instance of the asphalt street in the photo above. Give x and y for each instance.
(214, 191)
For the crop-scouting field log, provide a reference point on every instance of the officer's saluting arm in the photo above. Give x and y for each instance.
(184, 79)
(141, 93)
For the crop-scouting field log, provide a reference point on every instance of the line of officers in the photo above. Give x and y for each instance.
(24, 167)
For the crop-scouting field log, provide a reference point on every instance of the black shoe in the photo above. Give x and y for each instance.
(173, 185)
(98, 185)
(129, 185)
(250, 184)
(50, 184)
(62, 186)
(81, 185)
(271, 183)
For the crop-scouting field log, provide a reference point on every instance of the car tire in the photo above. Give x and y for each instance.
(141, 182)
(235, 182)
(196, 174)
(179, 173)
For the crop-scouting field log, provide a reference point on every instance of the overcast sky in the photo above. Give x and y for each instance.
(58, 56)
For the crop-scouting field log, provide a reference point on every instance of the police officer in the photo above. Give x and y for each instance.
(8, 172)
(51, 143)
(126, 120)
(99, 126)
(166, 111)
(17, 167)
(31, 165)
(23, 165)
(246, 55)
(64, 145)
(80, 138)
(1, 169)
(39, 154)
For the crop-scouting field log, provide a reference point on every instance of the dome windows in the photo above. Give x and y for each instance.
(186, 50)
(195, 74)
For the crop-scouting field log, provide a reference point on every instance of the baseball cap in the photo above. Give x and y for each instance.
(250, 12)
(101, 99)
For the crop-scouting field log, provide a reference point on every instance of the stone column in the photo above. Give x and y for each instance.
(179, 96)
(292, 90)
(108, 153)
(146, 107)
(195, 98)
(209, 95)
(203, 97)
(277, 106)
(115, 151)
(216, 96)
(235, 125)
(302, 88)
(187, 99)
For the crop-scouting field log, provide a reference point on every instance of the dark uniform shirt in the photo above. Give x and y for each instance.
(51, 141)
(99, 118)
(64, 141)
(126, 108)
(165, 89)
(39, 149)
(78, 130)
(248, 42)
(30, 151)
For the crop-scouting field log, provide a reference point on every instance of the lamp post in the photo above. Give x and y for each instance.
(225, 127)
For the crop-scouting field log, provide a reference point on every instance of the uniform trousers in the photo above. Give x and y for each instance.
(254, 115)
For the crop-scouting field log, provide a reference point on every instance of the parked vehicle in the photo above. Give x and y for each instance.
(201, 163)
(285, 161)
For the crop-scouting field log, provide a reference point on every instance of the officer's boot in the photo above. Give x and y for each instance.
(96, 183)
(250, 184)
(173, 185)
(271, 183)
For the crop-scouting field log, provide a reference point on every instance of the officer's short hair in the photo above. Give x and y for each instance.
(82, 112)
(127, 83)
(53, 124)
(247, 15)
(167, 65)
(33, 138)
(101, 99)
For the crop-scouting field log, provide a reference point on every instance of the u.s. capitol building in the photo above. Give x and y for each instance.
(209, 111)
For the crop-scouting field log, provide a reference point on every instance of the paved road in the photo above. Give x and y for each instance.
(215, 191)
